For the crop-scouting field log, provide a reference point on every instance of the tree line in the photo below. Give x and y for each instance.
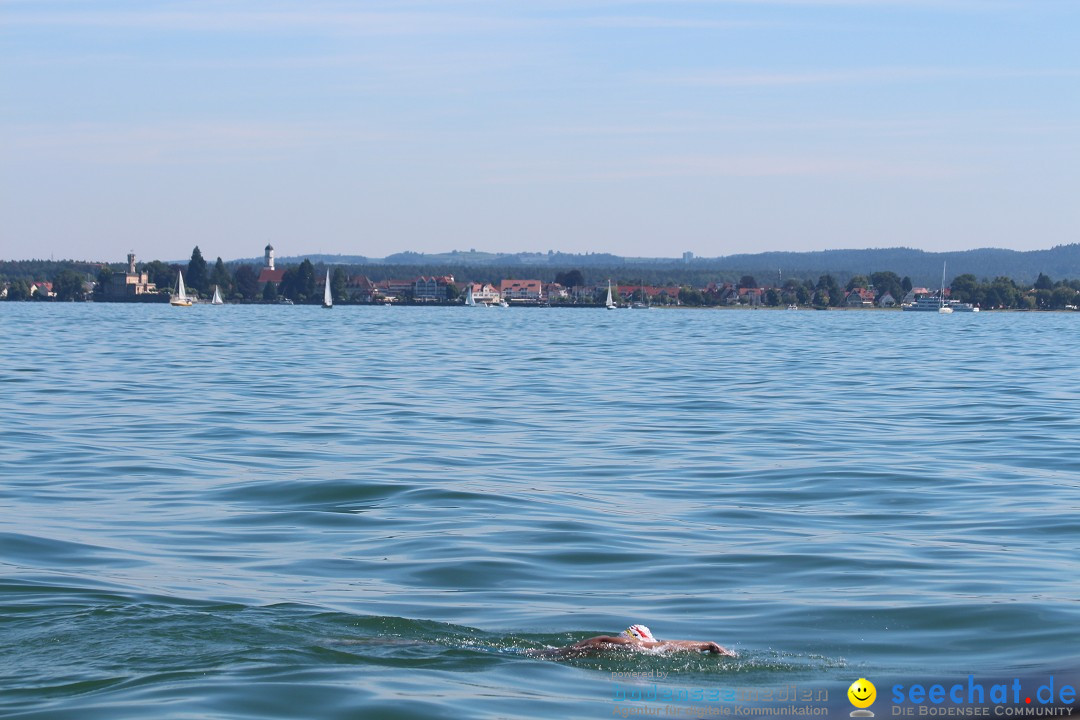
(1001, 293)
(239, 282)
(924, 268)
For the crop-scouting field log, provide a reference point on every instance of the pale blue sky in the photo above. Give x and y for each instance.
(635, 127)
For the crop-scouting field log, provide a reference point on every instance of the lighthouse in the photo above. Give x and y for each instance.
(269, 256)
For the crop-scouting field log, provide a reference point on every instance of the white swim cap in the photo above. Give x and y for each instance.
(639, 632)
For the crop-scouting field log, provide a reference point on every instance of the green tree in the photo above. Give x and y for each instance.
(888, 282)
(772, 297)
(965, 288)
(270, 292)
(196, 276)
(220, 276)
(287, 286)
(1001, 293)
(790, 292)
(570, 279)
(803, 294)
(104, 280)
(857, 281)
(1006, 291)
(689, 296)
(160, 273)
(828, 292)
(906, 285)
(1043, 283)
(18, 290)
(305, 282)
(747, 281)
(68, 285)
(339, 284)
(1062, 296)
(452, 292)
(246, 282)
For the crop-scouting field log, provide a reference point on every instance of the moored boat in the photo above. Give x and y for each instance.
(926, 303)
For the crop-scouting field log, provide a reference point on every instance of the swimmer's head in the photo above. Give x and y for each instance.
(639, 632)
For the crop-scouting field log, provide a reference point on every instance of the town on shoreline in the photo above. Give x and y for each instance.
(304, 283)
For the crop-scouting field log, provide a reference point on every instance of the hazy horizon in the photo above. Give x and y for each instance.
(640, 128)
(292, 258)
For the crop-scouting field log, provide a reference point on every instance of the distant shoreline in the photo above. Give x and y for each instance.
(164, 300)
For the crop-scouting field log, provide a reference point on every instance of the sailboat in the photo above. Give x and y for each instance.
(643, 305)
(217, 297)
(180, 299)
(470, 301)
(942, 307)
(327, 298)
(609, 304)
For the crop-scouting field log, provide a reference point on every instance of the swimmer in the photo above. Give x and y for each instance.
(633, 638)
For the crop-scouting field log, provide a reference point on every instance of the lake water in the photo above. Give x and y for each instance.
(253, 512)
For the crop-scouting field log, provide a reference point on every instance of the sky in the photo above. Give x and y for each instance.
(634, 127)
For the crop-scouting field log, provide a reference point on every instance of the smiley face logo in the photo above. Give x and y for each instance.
(862, 693)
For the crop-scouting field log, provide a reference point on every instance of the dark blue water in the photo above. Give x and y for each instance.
(248, 512)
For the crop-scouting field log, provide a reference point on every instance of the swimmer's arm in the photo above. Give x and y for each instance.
(694, 645)
(601, 640)
(584, 648)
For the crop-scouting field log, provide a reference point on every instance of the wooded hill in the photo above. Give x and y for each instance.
(924, 268)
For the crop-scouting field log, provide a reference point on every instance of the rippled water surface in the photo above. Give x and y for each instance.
(247, 512)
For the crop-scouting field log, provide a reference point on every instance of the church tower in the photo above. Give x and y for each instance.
(269, 257)
(131, 263)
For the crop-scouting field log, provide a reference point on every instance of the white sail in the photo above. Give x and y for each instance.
(609, 304)
(180, 299)
(469, 299)
(328, 299)
(217, 297)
